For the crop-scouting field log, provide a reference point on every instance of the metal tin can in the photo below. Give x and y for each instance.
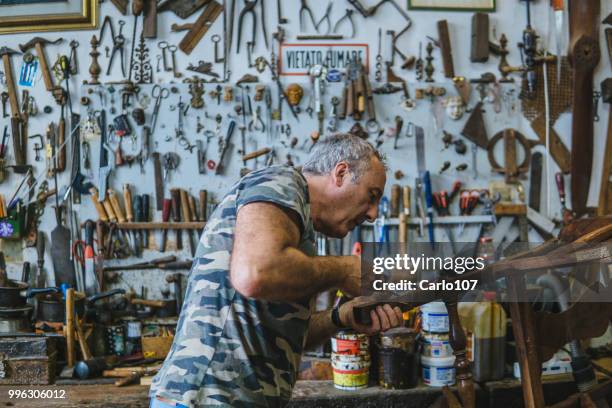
(436, 345)
(349, 342)
(398, 359)
(115, 340)
(350, 372)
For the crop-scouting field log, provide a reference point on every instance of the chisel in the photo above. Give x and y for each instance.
(165, 217)
(186, 218)
(175, 195)
(127, 198)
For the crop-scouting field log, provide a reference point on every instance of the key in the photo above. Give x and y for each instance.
(172, 50)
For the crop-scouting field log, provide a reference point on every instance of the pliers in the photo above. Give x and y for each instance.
(256, 123)
(305, 8)
(326, 16)
(249, 7)
(348, 15)
(118, 43)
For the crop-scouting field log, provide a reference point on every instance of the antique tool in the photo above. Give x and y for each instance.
(424, 181)
(105, 165)
(175, 195)
(92, 285)
(565, 213)
(186, 217)
(511, 168)
(474, 128)
(159, 181)
(158, 93)
(260, 64)
(305, 8)
(146, 217)
(557, 9)
(16, 119)
(249, 8)
(584, 57)
(444, 44)
(39, 43)
(479, 51)
(118, 43)
(200, 27)
(70, 351)
(326, 17)
(605, 189)
(165, 218)
(560, 100)
(429, 68)
(137, 9)
(226, 142)
(347, 16)
(203, 205)
(121, 5)
(535, 180)
(182, 8)
(94, 67)
(129, 215)
(150, 19)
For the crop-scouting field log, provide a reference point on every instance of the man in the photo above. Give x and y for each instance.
(247, 313)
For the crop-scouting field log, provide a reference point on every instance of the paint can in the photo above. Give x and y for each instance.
(397, 358)
(434, 317)
(115, 340)
(438, 372)
(436, 345)
(350, 372)
(349, 342)
(350, 360)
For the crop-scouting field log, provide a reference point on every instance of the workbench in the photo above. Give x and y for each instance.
(307, 394)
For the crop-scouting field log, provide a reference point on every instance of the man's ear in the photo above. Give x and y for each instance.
(341, 172)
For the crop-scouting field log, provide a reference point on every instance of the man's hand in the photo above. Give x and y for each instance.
(351, 284)
(383, 318)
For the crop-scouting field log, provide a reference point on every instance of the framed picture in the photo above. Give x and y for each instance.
(452, 5)
(26, 16)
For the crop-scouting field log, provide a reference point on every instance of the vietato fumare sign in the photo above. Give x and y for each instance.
(297, 59)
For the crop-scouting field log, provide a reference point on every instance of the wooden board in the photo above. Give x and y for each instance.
(200, 27)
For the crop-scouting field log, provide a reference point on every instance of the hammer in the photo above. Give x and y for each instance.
(38, 43)
(6, 53)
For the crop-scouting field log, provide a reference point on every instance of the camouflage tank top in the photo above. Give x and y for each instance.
(230, 350)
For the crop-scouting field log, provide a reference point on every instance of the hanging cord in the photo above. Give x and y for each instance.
(547, 119)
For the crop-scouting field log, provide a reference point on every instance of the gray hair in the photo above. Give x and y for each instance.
(330, 151)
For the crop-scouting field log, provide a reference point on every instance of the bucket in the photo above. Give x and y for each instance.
(438, 372)
(350, 372)
(434, 317)
(436, 345)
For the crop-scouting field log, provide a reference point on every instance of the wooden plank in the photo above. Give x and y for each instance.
(200, 27)
(605, 190)
(479, 51)
(446, 49)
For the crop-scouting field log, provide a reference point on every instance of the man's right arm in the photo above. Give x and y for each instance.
(267, 264)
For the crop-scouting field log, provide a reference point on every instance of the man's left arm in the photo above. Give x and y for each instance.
(321, 326)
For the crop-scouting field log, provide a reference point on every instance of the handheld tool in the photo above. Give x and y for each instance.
(186, 217)
(175, 195)
(92, 286)
(165, 218)
(39, 43)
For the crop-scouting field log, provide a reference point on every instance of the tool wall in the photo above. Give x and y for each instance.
(174, 116)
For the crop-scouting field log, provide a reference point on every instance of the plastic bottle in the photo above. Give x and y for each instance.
(485, 326)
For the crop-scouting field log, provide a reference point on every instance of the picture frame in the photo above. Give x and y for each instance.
(452, 5)
(28, 16)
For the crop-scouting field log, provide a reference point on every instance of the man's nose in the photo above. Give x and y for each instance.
(372, 213)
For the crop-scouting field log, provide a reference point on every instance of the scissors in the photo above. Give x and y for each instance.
(158, 94)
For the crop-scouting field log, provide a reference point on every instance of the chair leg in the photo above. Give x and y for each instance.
(526, 345)
(463, 373)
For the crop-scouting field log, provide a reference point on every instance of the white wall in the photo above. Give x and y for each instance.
(509, 19)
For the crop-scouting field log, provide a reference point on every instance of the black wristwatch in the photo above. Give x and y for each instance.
(335, 317)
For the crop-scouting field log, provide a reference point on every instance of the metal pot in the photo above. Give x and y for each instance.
(10, 296)
(15, 296)
(52, 308)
